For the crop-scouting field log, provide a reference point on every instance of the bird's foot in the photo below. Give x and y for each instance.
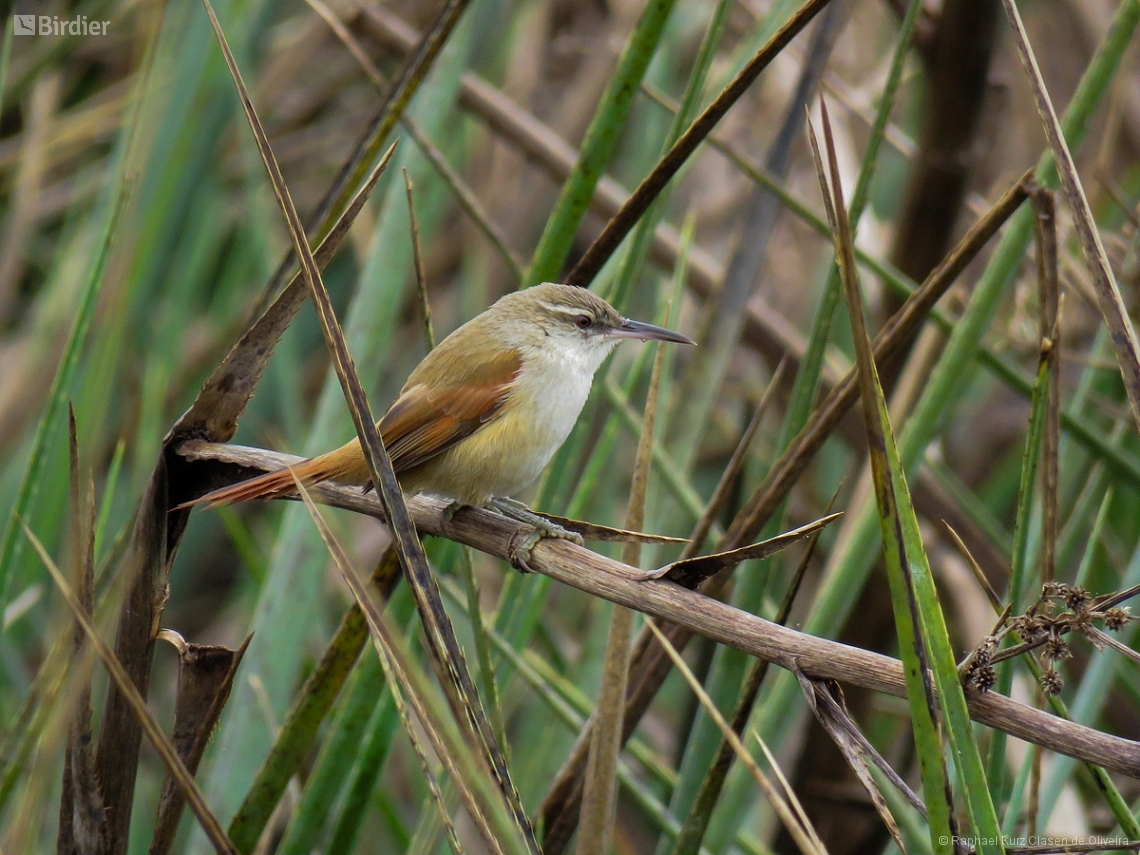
(543, 528)
(451, 510)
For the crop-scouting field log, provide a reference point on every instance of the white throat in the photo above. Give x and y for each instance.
(557, 377)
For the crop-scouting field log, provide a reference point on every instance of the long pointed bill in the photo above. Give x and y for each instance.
(645, 332)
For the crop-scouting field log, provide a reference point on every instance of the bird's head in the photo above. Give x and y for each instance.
(575, 319)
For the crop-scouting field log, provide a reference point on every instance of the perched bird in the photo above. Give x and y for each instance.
(483, 413)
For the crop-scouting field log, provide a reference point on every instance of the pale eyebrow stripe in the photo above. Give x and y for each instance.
(566, 310)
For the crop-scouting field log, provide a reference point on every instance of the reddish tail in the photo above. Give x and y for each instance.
(273, 485)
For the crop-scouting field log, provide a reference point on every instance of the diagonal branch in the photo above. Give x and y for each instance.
(604, 577)
(669, 165)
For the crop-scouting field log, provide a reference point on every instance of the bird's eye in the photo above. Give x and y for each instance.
(583, 322)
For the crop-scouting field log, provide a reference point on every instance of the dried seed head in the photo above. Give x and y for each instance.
(1077, 598)
(983, 678)
(1055, 649)
(985, 651)
(987, 677)
(1058, 590)
(1033, 628)
(1051, 682)
(1081, 621)
(1117, 618)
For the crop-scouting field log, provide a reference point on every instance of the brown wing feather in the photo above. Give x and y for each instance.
(425, 421)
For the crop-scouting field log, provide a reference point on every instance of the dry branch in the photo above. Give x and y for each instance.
(595, 574)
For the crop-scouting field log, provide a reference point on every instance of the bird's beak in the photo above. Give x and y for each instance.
(645, 332)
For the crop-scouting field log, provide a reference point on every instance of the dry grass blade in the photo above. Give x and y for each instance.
(82, 813)
(599, 798)
(463, 195)
(448, 655)
(734, 466)
(652, 185)
(1045, 223)
(793, 819)
(421, 276)
(855, 748)
(608, 534)
(975, 568)
(891, 502)
(595, 574)
(225, 394)
(794, 802)
(404, 679)
(205, 678)
(1112, 307)
(690, 572)
(162, 745)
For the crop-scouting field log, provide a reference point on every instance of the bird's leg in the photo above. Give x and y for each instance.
(451, 510)
(542, 528)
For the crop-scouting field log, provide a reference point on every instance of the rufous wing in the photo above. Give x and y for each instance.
(427, 419)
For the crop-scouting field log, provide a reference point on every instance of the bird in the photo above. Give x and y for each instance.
(484, 412)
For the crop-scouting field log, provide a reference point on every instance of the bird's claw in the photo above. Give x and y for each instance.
(520, 555)
(543, 528)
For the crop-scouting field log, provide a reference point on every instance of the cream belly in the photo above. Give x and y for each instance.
(506, 455)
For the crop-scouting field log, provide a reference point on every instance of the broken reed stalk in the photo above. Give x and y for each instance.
(137, 705)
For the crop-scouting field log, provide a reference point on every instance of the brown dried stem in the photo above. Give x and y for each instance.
(122, 680)
(604, 577)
